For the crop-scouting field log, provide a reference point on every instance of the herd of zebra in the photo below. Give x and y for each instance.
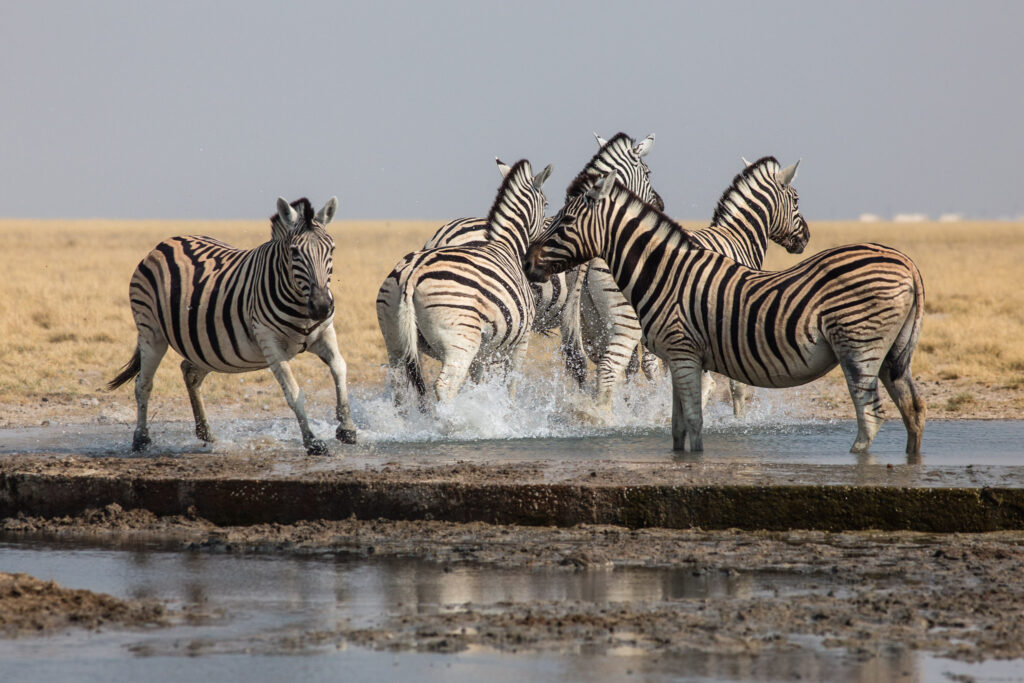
(623, 283)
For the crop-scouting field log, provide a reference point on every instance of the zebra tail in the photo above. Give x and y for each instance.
(573, 353)
(906, 340)
(409, 339)
(129, 371)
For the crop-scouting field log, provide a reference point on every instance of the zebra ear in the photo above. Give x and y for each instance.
(788, 174)
(539, 179)
(603, 187)
(502, 167)
(289, 216)
(745, 162)
(326, 214)
(601, 142)
(644, 146)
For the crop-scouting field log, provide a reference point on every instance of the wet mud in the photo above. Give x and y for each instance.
(955, 595)
(30, 606)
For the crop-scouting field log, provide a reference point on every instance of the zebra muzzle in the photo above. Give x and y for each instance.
(533, 265)
(320, 305)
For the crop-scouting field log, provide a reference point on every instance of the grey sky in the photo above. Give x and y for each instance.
(212, 109)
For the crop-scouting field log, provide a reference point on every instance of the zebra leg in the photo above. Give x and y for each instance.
(326, 348)
(687, 417)
(707, 385)
(862, 381)
(741, 394)
(514, 366)
(455, 365)
(194, 376)
(649, 364)
(611, 371)
(476, 371)
(151, 352)
(911, 406)
(297, 402)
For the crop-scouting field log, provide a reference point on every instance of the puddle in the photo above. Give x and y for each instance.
(261, 606)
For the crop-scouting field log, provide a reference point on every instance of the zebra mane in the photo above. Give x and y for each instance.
(596, 166)
(305, 210)
(498, 216)
(739, 183)
(648, 207)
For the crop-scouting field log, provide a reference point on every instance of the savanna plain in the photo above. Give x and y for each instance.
(66, 327)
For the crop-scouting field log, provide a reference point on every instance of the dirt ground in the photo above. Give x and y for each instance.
(954, 595)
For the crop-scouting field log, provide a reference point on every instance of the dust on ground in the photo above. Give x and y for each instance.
(955, 595)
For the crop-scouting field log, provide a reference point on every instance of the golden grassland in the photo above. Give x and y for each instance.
(66, 328)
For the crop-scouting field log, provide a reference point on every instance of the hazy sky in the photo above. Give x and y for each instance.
(212, 109)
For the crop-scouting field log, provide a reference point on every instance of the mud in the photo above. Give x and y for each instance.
(30, 606)
(954, 595)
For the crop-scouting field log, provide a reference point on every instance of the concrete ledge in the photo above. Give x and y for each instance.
(240, 501)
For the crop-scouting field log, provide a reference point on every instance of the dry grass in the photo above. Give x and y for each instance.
(65, 325)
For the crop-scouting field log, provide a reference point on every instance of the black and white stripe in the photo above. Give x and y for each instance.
(235, 310)
(859, 306)
(468, 305)
(759, 206)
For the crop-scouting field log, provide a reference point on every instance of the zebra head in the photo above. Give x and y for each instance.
(789, 228)
(624, 156)
(576, 233)
(770, 188)
(309, 252)
(517, 214)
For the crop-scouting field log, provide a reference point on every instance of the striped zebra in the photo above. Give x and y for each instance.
(621, 154)
(859, 306)
(759, 205)
(235, 310)
(468, 305)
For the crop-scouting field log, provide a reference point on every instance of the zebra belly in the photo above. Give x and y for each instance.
(793, 371)
(249, 358)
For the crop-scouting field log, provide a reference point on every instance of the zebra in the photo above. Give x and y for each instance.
(759, 205)
(859, 306)
(467, 305)
(551, 297)
(235, 310)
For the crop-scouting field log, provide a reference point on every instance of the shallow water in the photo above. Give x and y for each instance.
(260, 606)
(946, 443)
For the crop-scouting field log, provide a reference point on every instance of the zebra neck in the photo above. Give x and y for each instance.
(273, 289)
(509, 230)
(745, 241)
(744, 215)
(638, 241)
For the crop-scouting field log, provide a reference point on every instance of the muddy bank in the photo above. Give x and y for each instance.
(951, 594)
(30, 606)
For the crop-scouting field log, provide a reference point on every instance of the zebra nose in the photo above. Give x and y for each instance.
(321, 304)
(531, 264)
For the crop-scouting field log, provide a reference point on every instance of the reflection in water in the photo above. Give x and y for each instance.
(258, 603)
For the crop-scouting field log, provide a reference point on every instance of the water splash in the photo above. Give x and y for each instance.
(549, 407)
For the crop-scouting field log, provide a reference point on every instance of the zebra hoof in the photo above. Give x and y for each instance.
(316, 447)
(346, 435)
(140, 443)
